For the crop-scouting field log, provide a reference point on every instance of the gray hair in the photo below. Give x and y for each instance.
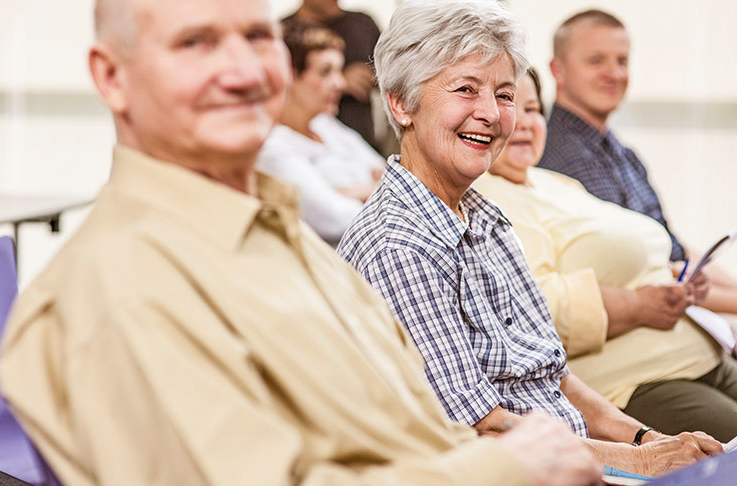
(425, 37)
(116, 24)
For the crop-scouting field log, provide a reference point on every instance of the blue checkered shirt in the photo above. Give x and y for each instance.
(465, 294)
(606, 169)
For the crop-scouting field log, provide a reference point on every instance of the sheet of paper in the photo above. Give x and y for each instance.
(731, 445)
(712, 253)
(715, 325)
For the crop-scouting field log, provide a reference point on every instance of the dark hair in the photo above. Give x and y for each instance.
(593, 17)
(532, 73)
(301, 39)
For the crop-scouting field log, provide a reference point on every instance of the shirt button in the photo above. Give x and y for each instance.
(508, 321)
(556, 394)
(557, 352)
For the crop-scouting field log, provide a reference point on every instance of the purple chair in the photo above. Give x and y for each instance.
(18, 457)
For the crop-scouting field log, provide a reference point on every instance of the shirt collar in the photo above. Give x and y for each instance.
(214, 210)
(442, 221)
(578, 124)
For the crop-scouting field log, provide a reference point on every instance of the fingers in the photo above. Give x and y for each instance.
(709, 445)
(551, 453)
(670, 453)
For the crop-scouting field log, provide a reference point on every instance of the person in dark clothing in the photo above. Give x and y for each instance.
(360, 34)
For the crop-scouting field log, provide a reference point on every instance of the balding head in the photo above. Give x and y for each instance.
(115, 24)
(562, 36)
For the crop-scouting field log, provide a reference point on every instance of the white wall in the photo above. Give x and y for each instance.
(681, 113)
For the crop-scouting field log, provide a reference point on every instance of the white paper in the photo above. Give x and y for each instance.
(715, 325)
(731, 445)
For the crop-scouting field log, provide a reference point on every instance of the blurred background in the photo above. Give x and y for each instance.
(680, 115)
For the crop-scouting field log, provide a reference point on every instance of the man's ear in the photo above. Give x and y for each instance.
(400, 114)
(106, 69)
(557, 70)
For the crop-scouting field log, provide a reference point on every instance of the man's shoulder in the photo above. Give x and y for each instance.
(567, 148)
(115, 256)
(354, 25)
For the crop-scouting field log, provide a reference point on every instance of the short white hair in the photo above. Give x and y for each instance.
(425, 37)
(116, 23)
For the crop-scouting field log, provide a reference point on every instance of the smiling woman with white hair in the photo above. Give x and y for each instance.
(447, 260)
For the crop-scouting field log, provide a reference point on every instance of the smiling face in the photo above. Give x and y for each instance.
(205, 79)
(525, 146)
(319, 87)
(465, 117)
(592, 72)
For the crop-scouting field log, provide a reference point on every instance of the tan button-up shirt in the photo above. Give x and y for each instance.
(189, 334)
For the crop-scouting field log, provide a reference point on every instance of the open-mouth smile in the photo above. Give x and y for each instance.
(475, 139)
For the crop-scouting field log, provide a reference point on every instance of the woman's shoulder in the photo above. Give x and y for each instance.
(552, 177)
(384, 224)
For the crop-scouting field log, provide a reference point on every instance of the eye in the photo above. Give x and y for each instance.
(506, 97)
(198, 41)
(465, 89)
(259, 35)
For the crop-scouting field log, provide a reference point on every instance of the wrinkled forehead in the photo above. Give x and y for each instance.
(168, 17)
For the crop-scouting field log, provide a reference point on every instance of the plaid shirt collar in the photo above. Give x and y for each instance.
(588, 132)
(441, 220)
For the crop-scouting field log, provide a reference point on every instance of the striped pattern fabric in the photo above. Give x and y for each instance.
(466, 296)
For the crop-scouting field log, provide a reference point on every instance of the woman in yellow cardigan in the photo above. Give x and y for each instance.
(615, 303)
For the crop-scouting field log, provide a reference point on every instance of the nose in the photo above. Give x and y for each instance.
(339, 81)
(615, 69)
(487, 110)
(242, 67)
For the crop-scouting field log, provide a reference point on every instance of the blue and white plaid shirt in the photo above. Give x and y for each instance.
(466, 295)
(606, 169)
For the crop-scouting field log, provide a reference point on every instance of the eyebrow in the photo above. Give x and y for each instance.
(260, 26)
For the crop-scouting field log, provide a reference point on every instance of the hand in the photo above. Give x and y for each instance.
(660, 306)
(551, 453)
(359, 80)
(700, 284)
(377, 173)
(662, 453)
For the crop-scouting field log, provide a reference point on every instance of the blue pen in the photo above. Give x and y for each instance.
(683, 272)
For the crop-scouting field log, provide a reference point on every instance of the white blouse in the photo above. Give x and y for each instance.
(319, 169)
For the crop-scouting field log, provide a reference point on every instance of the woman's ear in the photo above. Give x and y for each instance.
(400, 114)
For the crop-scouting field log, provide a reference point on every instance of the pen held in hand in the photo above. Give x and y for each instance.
(683, 272)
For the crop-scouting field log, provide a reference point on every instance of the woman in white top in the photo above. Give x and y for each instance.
(334, 169)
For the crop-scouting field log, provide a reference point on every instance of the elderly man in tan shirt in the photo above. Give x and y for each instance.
(195, 332)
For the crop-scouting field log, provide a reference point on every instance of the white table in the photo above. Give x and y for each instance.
(17, 209)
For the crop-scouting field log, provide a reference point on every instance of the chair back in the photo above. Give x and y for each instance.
(8, 278)
(17, 456)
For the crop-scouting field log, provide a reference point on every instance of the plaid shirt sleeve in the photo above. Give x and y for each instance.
(421, 299)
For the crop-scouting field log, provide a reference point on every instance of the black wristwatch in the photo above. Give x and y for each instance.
(640, 434)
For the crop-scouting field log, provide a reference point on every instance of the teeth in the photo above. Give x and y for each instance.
(475, 138)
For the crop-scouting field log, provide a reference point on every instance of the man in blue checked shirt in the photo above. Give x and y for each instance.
(590, 66)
